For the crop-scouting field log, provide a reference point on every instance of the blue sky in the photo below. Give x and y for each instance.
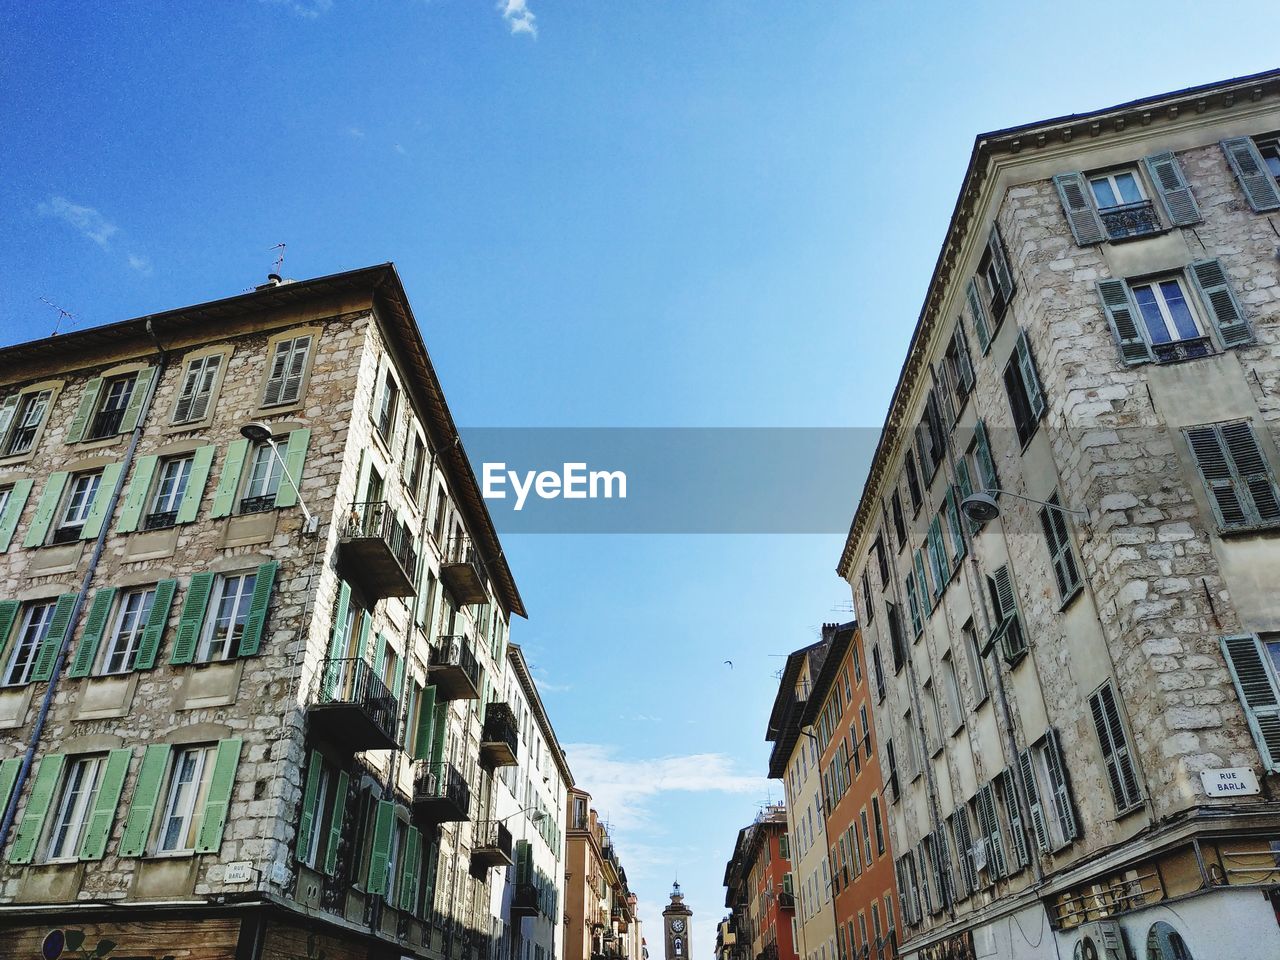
(694, 213)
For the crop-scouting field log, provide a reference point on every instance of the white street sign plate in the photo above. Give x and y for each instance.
(1231, 782)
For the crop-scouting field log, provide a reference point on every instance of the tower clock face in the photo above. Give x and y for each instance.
(677, 925)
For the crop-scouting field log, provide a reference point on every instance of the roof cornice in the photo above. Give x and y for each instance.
(515, 655)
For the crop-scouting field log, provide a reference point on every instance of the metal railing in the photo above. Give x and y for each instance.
(500, 726)
(492, 835)
(441, 781)
(461, 550)
(353, 681)
(260, 504)
(105, 424)
(1130, 220)
(375, 520)
(455, 651)
(1191, 348)
(160, 521)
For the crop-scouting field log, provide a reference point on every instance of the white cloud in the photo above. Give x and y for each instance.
(518, 16)
(141, 264)
(87, 220)
(354, 132)
(303, 8)
(621, 789)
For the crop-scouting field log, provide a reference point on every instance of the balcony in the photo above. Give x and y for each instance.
(354, 709)
(524, 901)
(491, 845)
(375, 551)
(105, 424)
(500, 736)
(1130, 220)
(440, 794)
(463, 573)
(453, 669)
(620, 916)
(1191, 348)
(787, 900)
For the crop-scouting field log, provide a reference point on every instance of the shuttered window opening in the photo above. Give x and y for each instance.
(1117, 755)
(21, 416)
(868, 606)
(1006, 788)
(897, 642)
(1008, 629)
(1062, 557)
(285, 372)
(1237, 475)
(79, 811)
(992, 837)
(29, 654)
(224, 615)
(253, 478)
(1256, 164)
(324, 803)
(913, 483)
(962, 840)
(1022, 386)
(1252, 660)
(197, 389)
(182, 798)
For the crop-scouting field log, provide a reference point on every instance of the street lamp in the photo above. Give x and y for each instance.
(982, 506)
(536, 818)
(257, 432)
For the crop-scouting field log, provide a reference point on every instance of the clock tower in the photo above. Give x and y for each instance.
(676, 920)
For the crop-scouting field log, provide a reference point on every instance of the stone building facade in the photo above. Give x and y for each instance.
(760, 892)
(259, 692)
(1080, 683)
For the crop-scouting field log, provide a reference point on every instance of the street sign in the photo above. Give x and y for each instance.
(1229, 782)
(238, 872)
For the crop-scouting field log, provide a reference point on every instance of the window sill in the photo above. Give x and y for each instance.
(1144, 235)
(1250, 530)
(1071, 598)
(96, 443)
(956, 731)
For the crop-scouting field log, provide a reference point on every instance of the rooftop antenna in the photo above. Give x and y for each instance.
(62, 315)
(279, 258)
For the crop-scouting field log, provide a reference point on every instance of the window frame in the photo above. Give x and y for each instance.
(61, 532)
(23, 625)
(84, 807)
(217, 594)
(111, 638)
(290, 336)
(156, 518)
(27, 400)
(220, 357)
(193, 818)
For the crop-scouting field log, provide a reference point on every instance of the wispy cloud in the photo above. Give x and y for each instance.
(303, 8)
(518, 16)
(87, 220)
(545, 684)
(621, 789)
(141, 264)
(355, 133)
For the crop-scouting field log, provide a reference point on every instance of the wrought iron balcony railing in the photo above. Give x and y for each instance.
(491, 844)
(376, 550)
(354, 707)
(462, 571)
(1190, 349)
(105, 424)
(441, 793)
(1130, 220)
(500, 737)
(453, 669)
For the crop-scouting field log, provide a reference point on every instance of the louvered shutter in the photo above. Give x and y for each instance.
(1251, 171)
(1115, 748)
(1077, 204)
(953, 523)
(88, 406)
(380, 847)
(94, 626)
(93, 845)
(409, 868)
(1211, 457)
(50, 497)
(224, 495)
(1063, 802)
(1121, 313)
(59, 625)
(8, 777)
(137, 397)
(337, 642)
(426, 717)
(7, 410)
(1220, 302)
(978, 312)
(218, 802)
(135, 497)
(1175, 194)
(1259, 692)
(13, 508)
(922, 580)
(97, 515)
(146, 794)
(295, 456)
(995, 839)
(193, 610)
(335, 823)
(157, 621)
(1253, 473)
(310, 801)
(1035, 805)
(8, 613)
(201, 461)
(982, 457)
(1030, 378)
(1061, 556)
(964, 362)
(913, 605)
(251, 640)
(31, 826)
(1000, 261)
(1004, 591)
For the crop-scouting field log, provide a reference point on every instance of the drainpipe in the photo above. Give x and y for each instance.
(46, 702)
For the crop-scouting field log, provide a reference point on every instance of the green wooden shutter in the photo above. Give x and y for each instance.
(59, 626)
(1123, 317)
(101, 502)
(379, 648)
(193, 608)
(224, 496)
(964, 362)
(295, 455)
(8, 613)
(1259, 693)
(1175, 194)
(335, 823)
(426, 718)
(440, 728)
(380, 847)
(146, 794)
(157, 621)
(523, 860)
(1251, 171)
(137, 397)
(93, 845)
(1115, 748)
(1220, 302)
(1077, 204)
(8, 777)
(1030, 378)
(953, 521)
(409, 867)
(50, 497)
(1253, 473)
(201, 460)
(982, 457)
(1034, 805)
(1000, 261)
(94, 627)
(922, 579)
(913, 605)
(13, 511)
(48, 775)
(337, 634)
(310, 800)
(218, 802)
(1063, 801)
(995, 838)
(135, 498)
(979, 314)
(251, 640)
(88, 405)
(1206, 444)
(362, 635)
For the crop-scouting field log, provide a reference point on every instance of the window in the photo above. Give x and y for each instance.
(866, 730)
(417, 460)
(185, 795)
(80, 494)
(388, 403)
(963, 841)
(882, 562)
(1256, 164)
(1114, 742)
(264, 480)
(36, 621)
(171, 487)
(878, 669)
(932, 720)
(1254, 662)
(30, 414)
(229, 605)
(959, 365)
(284, 377)
(899, 523)
(1166, 312)
(977, 669)
(1008, 631)
(854, 654)
(911, 759)
(879, 823)
(115, 396)
(1057, 538)
(913, 483)
(990, 831)
(891, 781)
(1022, 385)
(1237, 475)
(132, 614)
(1122, 204)
(1051, 771)
(951, 689)
(79, 787)
(896, 641)
(197, 389)
(989, 292)
(868, 607)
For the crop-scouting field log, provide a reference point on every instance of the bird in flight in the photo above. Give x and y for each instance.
(730, 663)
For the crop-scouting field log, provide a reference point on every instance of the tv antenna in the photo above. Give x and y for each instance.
(62, 315)
(279, 257)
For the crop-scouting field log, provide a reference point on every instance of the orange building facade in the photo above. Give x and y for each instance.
(863, 884)
(759, 891)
